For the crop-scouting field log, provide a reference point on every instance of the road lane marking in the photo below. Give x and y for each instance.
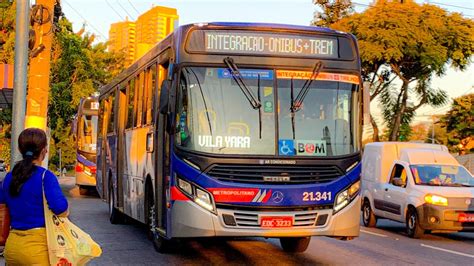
(449, 251)
(372, 233)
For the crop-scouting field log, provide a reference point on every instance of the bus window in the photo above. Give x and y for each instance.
(103, 105)
(149, 89)
(139, 100)
(111, 114)
(131, 103)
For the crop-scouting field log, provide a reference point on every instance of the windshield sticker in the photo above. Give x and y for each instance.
(267, 91)
(238, 142)
(286, 147)
(311, 147)
(289, 74)
(268, 107)
(224, 73)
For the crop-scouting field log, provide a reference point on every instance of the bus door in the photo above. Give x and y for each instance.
(121, 149)
(162, 156)
(101, 139)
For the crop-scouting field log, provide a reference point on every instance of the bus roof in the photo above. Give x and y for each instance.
(275, 26)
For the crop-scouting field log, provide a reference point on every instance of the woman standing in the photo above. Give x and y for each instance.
(22, 191)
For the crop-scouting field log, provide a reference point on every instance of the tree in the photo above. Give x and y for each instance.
(459, 121)
(331, 11)
(7, 33)
(402, 46)
(419, 132)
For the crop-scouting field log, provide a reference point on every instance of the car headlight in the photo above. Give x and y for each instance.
(196, 194)
(436, 200)
(346, 196)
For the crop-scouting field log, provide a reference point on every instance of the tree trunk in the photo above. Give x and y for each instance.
(375, 137)
(398, 117)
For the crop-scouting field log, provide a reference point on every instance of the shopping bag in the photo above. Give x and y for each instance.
(4, 224)
(68, 245)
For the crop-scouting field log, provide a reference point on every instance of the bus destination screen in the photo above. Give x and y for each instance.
(262, 43)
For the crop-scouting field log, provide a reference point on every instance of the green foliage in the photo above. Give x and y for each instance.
(459, 121)
(5, 117)
(402, 46)
(5, 136)
(61, 139)
(7, 33)
(331, 11)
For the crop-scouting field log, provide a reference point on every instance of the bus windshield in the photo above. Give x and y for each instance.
(87, 135)
(214, 116)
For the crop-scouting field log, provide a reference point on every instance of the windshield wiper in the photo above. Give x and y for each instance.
(296, 103)
(238, 79)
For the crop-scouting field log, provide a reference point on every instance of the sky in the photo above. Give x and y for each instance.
(97, 15)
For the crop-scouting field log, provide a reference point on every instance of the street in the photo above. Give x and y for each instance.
(386, 244)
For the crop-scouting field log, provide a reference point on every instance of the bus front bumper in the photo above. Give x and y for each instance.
(190, 220)
(83, 179)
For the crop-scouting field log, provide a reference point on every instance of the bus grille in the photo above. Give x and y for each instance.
(301, 219)
(271, 174)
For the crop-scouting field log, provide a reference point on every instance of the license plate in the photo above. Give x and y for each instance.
(466, 217)
(276, 221)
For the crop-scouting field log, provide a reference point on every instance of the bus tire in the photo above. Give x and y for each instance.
(149, 210)
(368, 216)
(115, 216)
(83, 190)
(414, 229)
(161, 244)
(295, 244)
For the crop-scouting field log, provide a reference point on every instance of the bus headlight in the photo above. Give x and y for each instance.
(436, 200)
(185, 186)
(204, 199)
(200, 196)
(346, 196)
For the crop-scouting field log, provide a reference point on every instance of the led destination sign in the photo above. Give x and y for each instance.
(238, 42)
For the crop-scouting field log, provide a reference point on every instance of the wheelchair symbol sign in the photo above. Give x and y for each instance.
(286, 147)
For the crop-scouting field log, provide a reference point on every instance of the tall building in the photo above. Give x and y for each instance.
(153, 26)
(122, 38)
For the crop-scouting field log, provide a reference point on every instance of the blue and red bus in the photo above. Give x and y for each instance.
(85, 136)
(236, 130)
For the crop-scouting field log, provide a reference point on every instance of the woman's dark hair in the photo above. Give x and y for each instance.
(31, 143)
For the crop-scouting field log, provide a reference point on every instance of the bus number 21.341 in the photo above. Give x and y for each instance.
(316, 196)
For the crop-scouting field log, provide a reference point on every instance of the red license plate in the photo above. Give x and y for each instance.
(276, 221)
(466, 217)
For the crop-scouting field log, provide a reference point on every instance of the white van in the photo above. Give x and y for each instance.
(421, 185)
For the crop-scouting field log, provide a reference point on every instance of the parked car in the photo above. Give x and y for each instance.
(421, 185)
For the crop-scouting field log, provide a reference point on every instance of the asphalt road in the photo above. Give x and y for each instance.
(387, 244)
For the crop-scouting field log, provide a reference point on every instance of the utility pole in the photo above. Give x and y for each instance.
(19, 82)
(42, 16)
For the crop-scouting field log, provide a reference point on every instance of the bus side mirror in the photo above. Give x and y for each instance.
(366, 102)
(164, 97)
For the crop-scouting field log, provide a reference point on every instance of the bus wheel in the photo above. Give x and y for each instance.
(150, 216)
(161, 244)
(368, 215)
(295, 244)
(414, 229)
(83, 190)
(115, 216)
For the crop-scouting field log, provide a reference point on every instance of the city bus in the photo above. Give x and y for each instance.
(85, 137)
(236, 130)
